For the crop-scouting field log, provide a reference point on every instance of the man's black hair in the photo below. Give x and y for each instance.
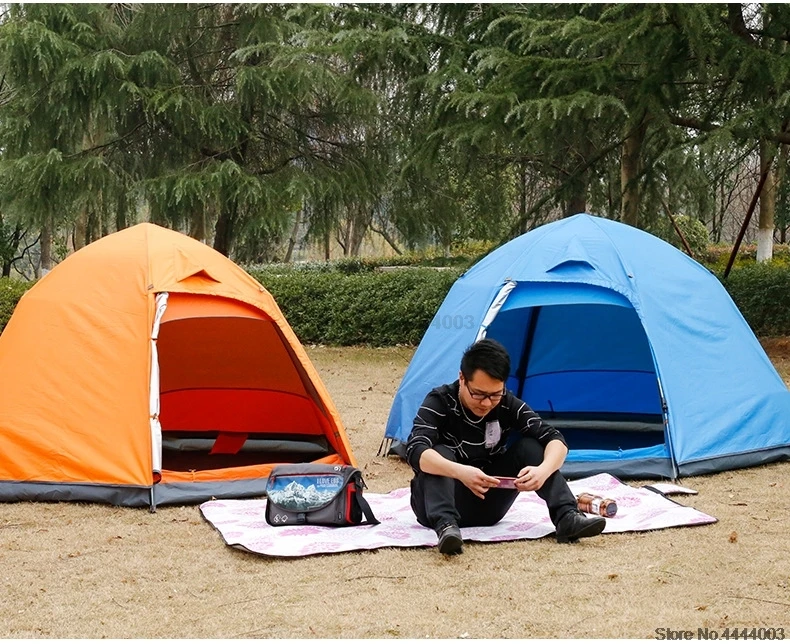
(488, 355)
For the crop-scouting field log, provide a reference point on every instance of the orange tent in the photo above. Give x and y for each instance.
(148, 368)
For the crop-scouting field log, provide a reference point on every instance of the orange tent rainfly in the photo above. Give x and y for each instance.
(147, 368)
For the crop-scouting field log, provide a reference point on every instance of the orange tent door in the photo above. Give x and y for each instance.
(234, 397)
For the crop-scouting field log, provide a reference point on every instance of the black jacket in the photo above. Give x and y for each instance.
(441, 420)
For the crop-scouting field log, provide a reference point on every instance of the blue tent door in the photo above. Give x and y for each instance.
(582, 360)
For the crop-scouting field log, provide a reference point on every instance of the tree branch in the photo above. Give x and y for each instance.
(387, 238)
(105, 145)
(704, 126)
(26, 249)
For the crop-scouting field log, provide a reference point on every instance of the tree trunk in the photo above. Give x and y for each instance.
(94, 226)
(781, 177)
(522, 201)
(197, 224)
(45, 260)
(346, 241)
(294, 237)
(327, 242)
(577, 203)
(579, 178)
(120, 213)
(88, 226)
(363, 216)
(16, 237)
(80, 236)
(765, 232)
(223, 235)
(629, 174)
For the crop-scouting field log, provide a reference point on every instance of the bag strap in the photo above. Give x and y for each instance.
(366, 510)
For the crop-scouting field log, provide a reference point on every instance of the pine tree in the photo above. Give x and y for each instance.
(214, 116)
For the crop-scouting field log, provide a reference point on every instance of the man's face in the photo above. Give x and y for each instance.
(481, 393)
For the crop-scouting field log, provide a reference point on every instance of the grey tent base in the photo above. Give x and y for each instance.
(12, 491)
(660, 468)
(132, 496)
(181, 493)
(735, 461)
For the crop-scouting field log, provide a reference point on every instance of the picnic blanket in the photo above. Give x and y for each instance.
(242, 523)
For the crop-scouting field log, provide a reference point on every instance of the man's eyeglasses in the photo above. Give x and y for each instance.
(479, 395)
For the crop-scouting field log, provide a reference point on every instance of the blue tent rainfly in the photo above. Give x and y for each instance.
(628, 346)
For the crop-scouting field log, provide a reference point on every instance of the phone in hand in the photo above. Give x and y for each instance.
(506, 482)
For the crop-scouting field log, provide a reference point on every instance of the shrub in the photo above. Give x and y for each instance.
(10, 292)
(762, 293)
(718, 255)
(389, 308)
(375, 308)
(352, 265)
(694, 231)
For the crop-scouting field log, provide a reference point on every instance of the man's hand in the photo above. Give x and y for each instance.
(476, 480)
(532, 478)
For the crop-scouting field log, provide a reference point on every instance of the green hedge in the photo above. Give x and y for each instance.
(352, 265)
(762, 293)
(10, 292)
(375, 308)
(339, 307)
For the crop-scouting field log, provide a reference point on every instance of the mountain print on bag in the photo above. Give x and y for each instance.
(305, 493)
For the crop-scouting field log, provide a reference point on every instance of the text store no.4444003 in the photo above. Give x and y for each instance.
(762, 633)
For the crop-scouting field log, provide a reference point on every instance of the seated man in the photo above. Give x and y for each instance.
(469, 432)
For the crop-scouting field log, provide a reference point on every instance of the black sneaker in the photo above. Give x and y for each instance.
(575, 525)
(450, 541)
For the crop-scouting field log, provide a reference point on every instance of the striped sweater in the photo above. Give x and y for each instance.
(441, 420)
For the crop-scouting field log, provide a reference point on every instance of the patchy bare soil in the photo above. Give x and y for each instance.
(82, 570)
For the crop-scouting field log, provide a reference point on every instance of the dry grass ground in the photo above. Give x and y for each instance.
(78, 570)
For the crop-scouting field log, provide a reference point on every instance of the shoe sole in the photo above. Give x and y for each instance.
(451, 545)
(590, 530)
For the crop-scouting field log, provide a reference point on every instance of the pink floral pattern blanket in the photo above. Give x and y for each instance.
(242, 523)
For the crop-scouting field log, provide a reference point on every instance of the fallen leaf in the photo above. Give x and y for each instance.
(700, 608)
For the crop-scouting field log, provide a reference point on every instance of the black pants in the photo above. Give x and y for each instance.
(438, 500)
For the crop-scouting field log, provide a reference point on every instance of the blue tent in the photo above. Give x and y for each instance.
(628, 346)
